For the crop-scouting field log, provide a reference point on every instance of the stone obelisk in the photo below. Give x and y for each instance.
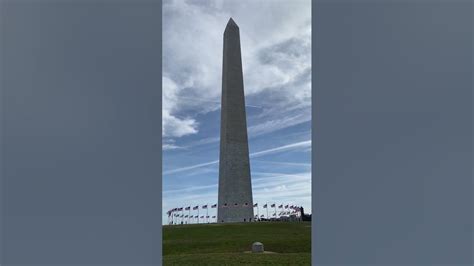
(235, 203)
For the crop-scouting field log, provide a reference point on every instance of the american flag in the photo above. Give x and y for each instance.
(181, 216)
(202, 217)
(255, 205)
(214, 206)
(273, 205)
(196, 207)
(274, 214)
(180, 209)
(213, 216)
(204, 206)
(281, 206)
(187, 208)
(265, 206)
(207, 216)
(261, 216)
(186, 216)
(286, 206)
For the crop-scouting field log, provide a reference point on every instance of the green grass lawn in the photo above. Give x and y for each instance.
(225, 244)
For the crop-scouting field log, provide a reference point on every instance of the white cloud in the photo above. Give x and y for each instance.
(178, 127)
(276, 54)
(276, 57)
(172, 125)
(168, 146)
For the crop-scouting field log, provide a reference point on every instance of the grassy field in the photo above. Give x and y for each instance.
(226, 244)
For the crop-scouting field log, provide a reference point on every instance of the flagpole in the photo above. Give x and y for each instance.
(207, 212)
(258, 214)
(267, 210)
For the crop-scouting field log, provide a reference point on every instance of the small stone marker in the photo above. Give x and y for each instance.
(257, 247)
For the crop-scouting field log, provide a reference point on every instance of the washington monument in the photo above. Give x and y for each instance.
(235, 203)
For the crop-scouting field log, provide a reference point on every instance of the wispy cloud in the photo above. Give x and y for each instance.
(267, 187)
(302, 144)
(169, 144)
(284, 163)
(278, 123)
(216, 103)
(276, 59)
(170, 147)
(190, 189)
(186, 168)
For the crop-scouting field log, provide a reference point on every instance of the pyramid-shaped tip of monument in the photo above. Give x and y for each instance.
(231, 23)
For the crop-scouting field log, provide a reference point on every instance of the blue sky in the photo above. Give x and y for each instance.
(276, 57)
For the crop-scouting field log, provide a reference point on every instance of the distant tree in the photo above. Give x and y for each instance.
(304, 217)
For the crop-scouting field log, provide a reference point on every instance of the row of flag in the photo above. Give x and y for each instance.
(170, 212)
(207, 216)
(189, 208)
(193, 216)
